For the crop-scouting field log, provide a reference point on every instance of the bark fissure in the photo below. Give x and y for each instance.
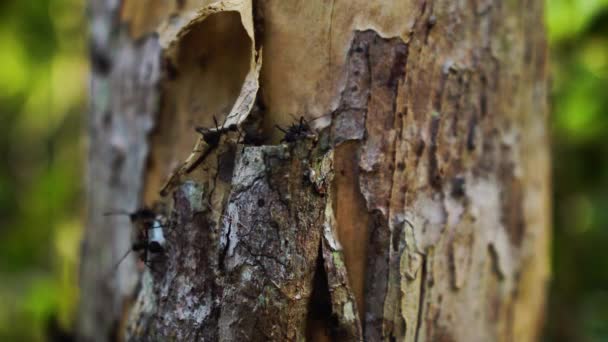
(420, 316)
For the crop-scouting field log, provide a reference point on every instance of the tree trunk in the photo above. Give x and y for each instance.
(410, 203)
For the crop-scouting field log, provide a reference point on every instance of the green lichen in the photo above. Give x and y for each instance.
(337, 256)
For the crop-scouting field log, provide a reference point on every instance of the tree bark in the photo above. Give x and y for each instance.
(416, 207)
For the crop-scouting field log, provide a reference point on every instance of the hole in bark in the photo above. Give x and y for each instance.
(213, 60)
(321, 323)
(204, 72)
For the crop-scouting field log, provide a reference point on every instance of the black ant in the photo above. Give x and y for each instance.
(150, 236)
(296, 131)
(212, 138)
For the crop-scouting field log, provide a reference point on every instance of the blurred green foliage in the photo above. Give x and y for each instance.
(578, 305)
(43, 72)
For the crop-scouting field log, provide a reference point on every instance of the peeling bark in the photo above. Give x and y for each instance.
(415, 208)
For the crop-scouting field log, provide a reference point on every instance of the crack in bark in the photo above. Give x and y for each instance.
(224, 251)
(423, 272)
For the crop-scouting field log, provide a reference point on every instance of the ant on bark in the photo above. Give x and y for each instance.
(150, 239)
(296, 131)
(247, 135)
(212, 138)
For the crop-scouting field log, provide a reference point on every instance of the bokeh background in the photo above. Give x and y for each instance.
(43, 88)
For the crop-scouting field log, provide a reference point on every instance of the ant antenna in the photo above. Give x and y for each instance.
(301, 119)
(121, 260)
(280, 129)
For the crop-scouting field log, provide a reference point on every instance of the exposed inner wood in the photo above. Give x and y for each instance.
(352, 219)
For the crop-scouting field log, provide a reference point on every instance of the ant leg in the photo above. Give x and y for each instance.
(280, 129)
(121, 260)
(238, 138)
(147, 262)
(198, 161)
(285, 132)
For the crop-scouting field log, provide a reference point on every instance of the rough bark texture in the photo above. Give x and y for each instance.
(417, 209)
